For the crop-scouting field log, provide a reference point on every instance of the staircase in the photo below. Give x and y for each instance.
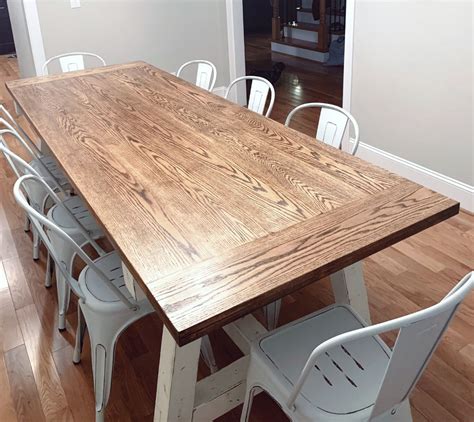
(296, 33)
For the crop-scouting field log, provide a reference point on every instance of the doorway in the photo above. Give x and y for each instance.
(301, 79)
(7, 45)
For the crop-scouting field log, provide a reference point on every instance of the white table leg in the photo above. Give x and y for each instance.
(349, 289)
(176, 380)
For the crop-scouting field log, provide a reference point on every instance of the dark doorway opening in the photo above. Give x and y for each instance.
(302, 80)
(7, 44)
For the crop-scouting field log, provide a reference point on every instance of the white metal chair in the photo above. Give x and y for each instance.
(13, 124)
(258, 94)
(206, 74)
(69, 62)
(331, 366)
(332, 124)
(104, 301)
(70, 214)
(45, 166)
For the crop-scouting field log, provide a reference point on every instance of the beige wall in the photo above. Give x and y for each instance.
(165, 33)
(412, 84)
(21, 37)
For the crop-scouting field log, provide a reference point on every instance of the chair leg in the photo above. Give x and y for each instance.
(104, 330)
(36, 244)
(65, 254)
(102, 350)
(26, 227)
(80, 333)
(64, 293)
(249, 395)
(208, 354)
(272, 313)
(49, 271)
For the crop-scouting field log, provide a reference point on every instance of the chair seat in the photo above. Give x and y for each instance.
(53, 167)
(95, 290)
(76, 206)
(344, 381)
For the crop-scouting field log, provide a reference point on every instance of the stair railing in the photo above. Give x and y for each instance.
(285, 13)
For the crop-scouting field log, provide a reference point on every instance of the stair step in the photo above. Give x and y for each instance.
(313, 27)
(301, 44)
(334, 13)
(299, 48)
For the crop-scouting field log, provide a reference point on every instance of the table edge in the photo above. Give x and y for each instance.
(183, 337)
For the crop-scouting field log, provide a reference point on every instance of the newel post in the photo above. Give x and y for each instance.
(323, 31)
(276, 22)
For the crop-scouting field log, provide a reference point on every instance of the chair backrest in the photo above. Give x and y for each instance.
(54, 235)
(418, 336)
(44, 171)
(21, 168)
(206, 74)
(13, 124)
(36, 197)
(13, 132)
(70, 62)
(332, 124)
(258, 93)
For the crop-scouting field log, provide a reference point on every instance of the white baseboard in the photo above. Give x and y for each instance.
(452, 188)
(220, 90)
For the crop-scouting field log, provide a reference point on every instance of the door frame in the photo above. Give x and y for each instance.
(33, 28)
(236, 48)
(236, 45)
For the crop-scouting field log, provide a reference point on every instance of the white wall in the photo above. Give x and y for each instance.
(412, 82)
(21, 37)
(165, 33)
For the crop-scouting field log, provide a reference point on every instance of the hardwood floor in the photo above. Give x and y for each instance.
(38, 380)
(301, 81)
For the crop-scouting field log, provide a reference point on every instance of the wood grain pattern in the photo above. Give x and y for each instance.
(214, 209)
(10, 333)
(23, 389)
(37, 342)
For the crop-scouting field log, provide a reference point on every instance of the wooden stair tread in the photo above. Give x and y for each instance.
(301, 44)
(305, 26)
(309, 10)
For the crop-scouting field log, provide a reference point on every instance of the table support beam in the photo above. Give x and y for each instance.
(220, 392)
(349, 289)
(244, 331)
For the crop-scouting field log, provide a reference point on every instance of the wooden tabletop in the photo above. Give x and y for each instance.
(215, 210)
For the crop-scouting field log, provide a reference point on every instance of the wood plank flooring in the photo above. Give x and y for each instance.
(38, 380)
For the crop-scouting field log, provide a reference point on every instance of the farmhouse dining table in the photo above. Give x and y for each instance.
(216, 211)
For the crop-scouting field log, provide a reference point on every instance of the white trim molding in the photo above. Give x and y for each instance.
(348, 55)
(34, 33)
(236, 47)
(452, 188)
